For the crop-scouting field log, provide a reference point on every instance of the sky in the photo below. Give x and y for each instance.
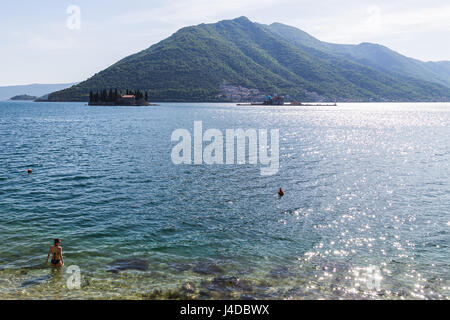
(63, 41)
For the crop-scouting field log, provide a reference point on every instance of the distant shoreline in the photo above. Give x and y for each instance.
(305, 103)
(249, 103)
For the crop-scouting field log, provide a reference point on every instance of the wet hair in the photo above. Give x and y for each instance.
(57, 240)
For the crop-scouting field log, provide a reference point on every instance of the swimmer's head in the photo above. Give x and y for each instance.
(57, 241)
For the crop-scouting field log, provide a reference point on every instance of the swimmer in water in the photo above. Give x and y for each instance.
(281, 193)
(57, 256)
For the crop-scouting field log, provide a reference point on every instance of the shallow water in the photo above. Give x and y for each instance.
(367, 192)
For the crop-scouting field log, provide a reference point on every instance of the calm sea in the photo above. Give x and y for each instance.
(366, 211)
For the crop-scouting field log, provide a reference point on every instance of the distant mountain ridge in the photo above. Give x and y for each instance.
(372, 55)
(195, 62)
(35, 89)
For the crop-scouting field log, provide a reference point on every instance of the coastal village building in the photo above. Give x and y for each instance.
(128, 99)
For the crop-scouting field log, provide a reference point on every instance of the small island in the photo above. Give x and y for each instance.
(116, 98)
(278, 100)
(23, 97)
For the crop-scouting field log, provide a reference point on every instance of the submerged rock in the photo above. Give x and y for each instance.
(281, 272)
(225, 282)
(231, 283)
(208, 269)
(186, 292)
(128, 264)
(187, 288)
(204, 295)
(224, 287)
(25, 270)
(180, 267)
(35, 281)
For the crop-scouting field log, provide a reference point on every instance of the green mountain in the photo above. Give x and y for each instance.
(194, 63)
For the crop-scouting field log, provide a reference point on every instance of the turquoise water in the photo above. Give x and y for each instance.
(367, 187)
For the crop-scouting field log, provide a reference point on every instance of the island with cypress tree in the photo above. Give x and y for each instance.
(116, 98)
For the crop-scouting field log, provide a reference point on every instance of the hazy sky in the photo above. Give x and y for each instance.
(37, 46)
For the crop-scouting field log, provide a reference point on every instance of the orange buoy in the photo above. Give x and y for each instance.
(281, 193)
(30, 171)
